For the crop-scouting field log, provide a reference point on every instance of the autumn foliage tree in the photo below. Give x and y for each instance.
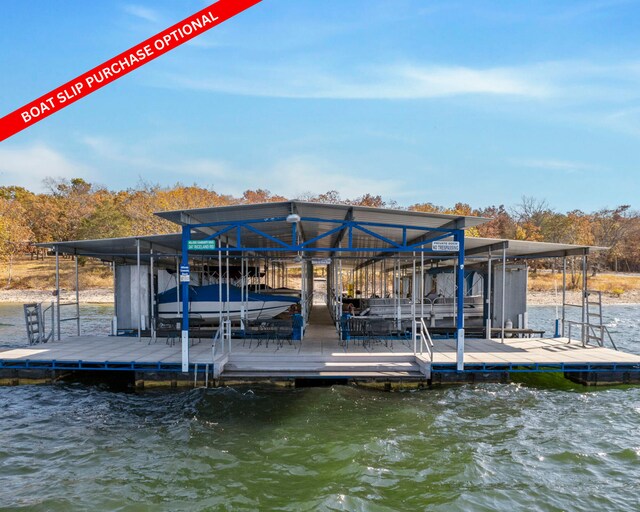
(76, 209)
(15, 234)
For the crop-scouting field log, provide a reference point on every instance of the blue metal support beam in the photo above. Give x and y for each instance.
(269, 237)
(221, 232)
(160, 366)
(184, 283)
(459, 237)
(320, 237)
(342, 226)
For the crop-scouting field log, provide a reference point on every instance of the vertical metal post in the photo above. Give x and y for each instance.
(564, 291)
(504, 280)
(244, 287)
(220, 286)
(488, 298)
(186, 235)
(373, 279)
(228, 282)
(114, 321)
(414, 329)
(396, 294)
(77, 298)
(139, 284)
(303, 297)
(366, 282)
(58, 291)
(246, 291)
(152, 312)
(459, 237)
(178, 302)
(584, 299)
(339, 287)
(422, 294)
(384, 278)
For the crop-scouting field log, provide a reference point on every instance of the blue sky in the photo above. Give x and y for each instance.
(419, 101)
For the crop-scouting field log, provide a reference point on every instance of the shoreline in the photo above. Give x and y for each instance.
(538, 298)
(91, 296)
(105, 296)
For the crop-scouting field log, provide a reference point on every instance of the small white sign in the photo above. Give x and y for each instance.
(321, 261)
(445, 246)
(185, 278)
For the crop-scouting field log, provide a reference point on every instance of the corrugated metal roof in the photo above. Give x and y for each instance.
(170, 245)
(320, 218)
(320, 210)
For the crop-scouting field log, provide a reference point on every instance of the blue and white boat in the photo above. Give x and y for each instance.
(205, 302)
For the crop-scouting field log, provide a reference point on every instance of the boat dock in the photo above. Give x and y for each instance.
(321, 355)
(297, 291)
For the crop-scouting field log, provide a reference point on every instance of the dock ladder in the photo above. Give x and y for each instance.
(35, 317)
(596, 330)
(593, 330)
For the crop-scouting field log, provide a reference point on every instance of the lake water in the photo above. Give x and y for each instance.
(540, 444)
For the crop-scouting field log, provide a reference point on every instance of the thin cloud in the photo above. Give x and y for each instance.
(144, 13)
(565, 82)
(291, 176)
(394, 82)
(565, 166)
(28, 166)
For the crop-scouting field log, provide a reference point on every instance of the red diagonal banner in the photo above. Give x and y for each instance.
(120, 65)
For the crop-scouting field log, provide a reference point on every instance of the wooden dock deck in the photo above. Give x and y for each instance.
(93, 349)
(320, 354)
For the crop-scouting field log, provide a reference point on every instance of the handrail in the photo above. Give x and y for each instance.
(586, 326)
(49, 336)
(214, 345)
(420, 330)
(62, 304)
(223, 333)
(606, 329)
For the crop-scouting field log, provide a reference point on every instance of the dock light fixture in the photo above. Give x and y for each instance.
(293, 218)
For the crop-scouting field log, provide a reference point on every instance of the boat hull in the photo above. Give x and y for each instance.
(211, 310)
(204, 302)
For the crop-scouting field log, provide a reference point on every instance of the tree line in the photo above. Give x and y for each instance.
(75, 209)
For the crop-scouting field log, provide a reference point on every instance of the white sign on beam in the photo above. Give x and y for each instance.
(445, 246)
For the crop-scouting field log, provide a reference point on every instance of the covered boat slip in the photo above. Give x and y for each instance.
(373, 290)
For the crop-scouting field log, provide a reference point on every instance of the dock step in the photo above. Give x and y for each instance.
(379, 366)
(248, 375)
(320, 367)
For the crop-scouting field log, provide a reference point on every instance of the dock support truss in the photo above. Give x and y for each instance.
(344, 231)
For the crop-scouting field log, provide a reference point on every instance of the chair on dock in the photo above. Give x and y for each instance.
(283, 331)
(166, 328)
(258, 331)
(355, 329)
(381, 331)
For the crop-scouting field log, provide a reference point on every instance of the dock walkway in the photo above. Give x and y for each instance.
(320, 355)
